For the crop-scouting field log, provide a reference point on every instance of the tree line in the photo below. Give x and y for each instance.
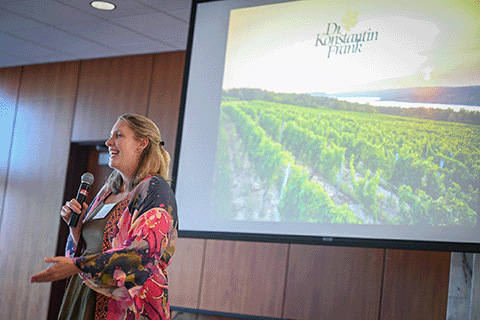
(307, 100)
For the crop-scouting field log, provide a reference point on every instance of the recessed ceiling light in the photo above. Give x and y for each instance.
(102, 5)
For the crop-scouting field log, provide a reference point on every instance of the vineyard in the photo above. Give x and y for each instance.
(281, 162)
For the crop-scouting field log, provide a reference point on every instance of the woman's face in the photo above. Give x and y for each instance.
(124, 149)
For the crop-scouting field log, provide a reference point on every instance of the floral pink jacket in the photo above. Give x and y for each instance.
(139, 240)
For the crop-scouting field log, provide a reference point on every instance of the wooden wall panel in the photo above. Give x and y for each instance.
(184, 273)
(9, 86)
(35, 185)
(165, 96)
(415, 285)
(244, 277)
(107, 89)
(333, 282)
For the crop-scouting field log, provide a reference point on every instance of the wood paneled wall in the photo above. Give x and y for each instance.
(240, 277)
(294, 281)
(9, 85)
(415, 285)
(351, 276)
(107, 89)
(150, 85)
(35, 182)
(165, 95)
(46, 107)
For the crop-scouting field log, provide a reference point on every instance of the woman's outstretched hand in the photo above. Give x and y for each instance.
(63, 268)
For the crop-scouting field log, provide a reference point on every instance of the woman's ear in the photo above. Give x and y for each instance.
(143, 144)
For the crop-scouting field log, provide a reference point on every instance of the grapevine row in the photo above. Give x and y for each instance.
(302, 199)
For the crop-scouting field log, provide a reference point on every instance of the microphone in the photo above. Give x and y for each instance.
(87, 180)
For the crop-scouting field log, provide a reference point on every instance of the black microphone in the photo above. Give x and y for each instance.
(87, 180)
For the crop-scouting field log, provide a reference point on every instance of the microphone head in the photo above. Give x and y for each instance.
(88, 178)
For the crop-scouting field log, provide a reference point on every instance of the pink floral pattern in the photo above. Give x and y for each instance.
(138, 244)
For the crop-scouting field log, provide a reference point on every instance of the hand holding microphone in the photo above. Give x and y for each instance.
(74, 208)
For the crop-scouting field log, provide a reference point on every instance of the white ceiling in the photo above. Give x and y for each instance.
(42, 31)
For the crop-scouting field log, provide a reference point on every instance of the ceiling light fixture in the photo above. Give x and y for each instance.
(102, 5)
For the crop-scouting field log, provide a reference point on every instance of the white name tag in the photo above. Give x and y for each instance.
(104, 211)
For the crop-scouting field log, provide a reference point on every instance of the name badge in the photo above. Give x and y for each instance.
(104, 211)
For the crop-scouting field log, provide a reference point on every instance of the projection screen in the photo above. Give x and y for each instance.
(332, 121)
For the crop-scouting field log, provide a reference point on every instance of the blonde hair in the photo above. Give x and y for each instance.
(154, 160)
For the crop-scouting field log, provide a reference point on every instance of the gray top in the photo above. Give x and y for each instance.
(93, 227)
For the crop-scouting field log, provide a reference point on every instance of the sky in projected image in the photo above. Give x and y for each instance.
(285, 47)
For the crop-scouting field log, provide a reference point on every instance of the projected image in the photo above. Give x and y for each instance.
(351, 113)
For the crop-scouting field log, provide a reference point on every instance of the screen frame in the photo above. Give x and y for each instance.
(382, 243)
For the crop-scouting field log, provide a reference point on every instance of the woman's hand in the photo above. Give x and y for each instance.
(66, 213)
(63, 268)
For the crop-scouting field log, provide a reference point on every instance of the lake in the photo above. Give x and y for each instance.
(375, 101)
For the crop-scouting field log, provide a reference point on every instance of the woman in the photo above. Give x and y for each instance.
(123, 242)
